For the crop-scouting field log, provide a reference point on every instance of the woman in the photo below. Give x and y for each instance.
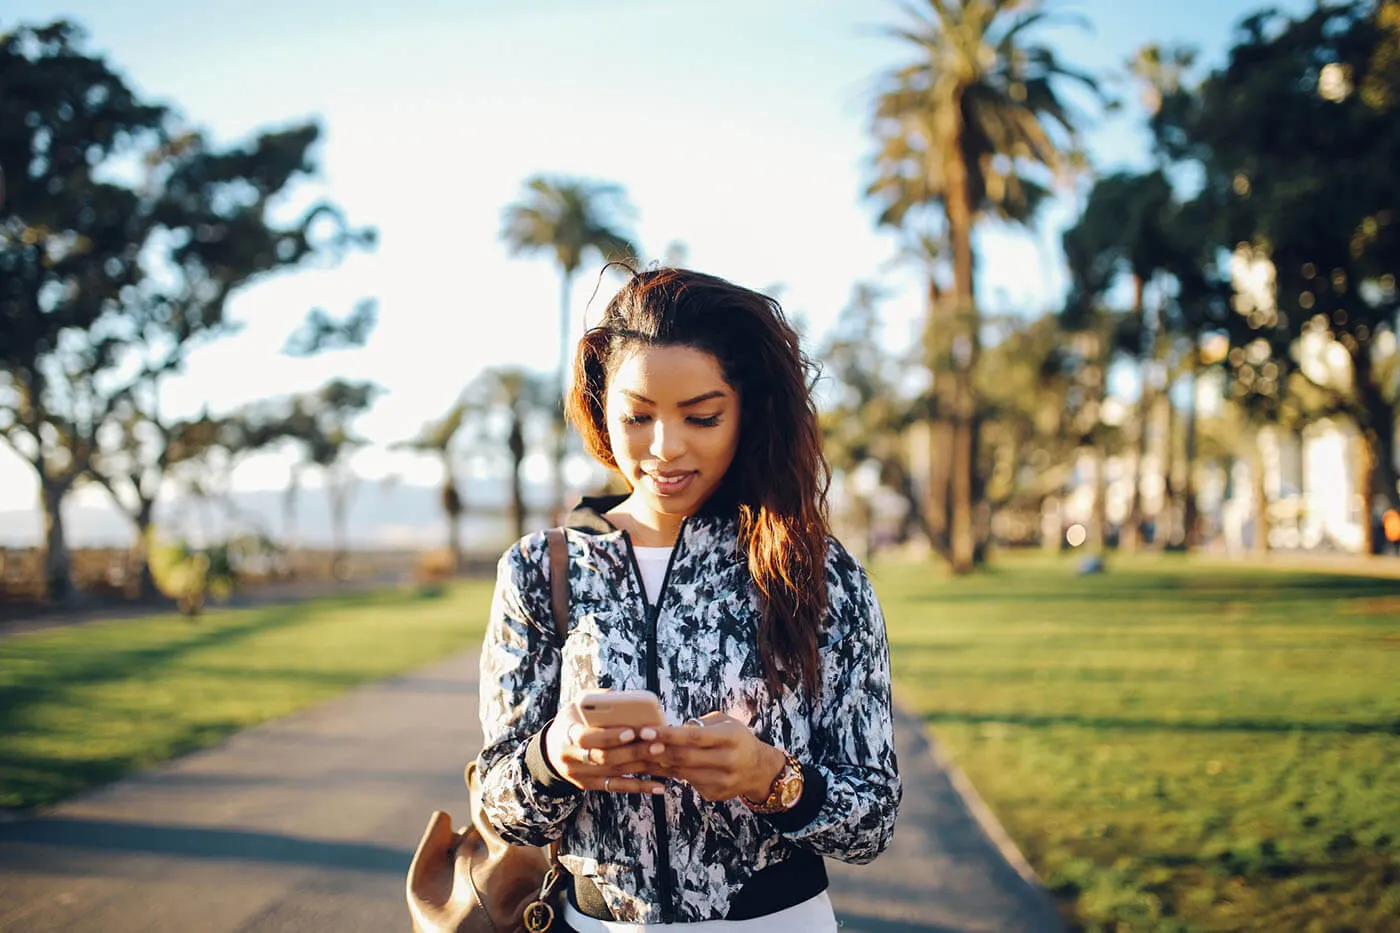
(716, 585)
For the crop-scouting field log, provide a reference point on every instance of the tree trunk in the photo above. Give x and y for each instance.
(1166, 531)
(139, 560)
(289, 521)
(936, 503)
(516, 442)
(58, 570)
(1366, 463)
(453, 507)
(454, 541)
(1190, 512)
(1260, 544)
(965, 346)
(896, 475)
(1376, 469)
(1131, 538)
(560, 426)
(940, 473)
(340, 490)
(1103, 356)
(964, 538)
(517, 497)
(1098, 543)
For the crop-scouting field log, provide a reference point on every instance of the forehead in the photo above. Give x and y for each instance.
(667, 372)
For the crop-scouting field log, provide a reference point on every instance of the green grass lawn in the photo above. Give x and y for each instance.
(85, 705)
(1174, 746)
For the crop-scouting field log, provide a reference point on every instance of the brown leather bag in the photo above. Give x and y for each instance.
(471, 880)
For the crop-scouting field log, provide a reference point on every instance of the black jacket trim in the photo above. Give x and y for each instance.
(550, 781)
(798, 878)
(807, 806)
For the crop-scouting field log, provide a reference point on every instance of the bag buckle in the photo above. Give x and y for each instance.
(539, 913)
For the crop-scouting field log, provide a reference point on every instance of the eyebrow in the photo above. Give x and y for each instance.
(685, 404)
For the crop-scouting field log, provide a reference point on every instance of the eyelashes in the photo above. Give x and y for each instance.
(709, 421)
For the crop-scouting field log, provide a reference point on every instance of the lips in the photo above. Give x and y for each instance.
(669, 484)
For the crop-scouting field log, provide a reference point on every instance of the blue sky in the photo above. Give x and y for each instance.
(737, 127)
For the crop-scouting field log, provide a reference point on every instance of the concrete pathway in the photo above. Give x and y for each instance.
(308, 824)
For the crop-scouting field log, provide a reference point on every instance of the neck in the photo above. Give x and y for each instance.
(646, 529)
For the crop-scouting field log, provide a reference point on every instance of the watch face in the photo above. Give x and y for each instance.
(791, 791)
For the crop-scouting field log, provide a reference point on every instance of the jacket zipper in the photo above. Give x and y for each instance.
(658, 803)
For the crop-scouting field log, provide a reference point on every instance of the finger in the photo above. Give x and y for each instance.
(710, 758)
(693, 736)
(631, 755)
(626, 785)
(710, 783)
(614, 760)
(585, 756)
(610, 737)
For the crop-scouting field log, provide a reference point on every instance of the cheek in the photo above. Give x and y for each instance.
(622, 443)
(727, 445)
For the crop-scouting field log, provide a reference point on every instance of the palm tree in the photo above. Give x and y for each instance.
(959, 129)
(568, 218)
(519, 395)
(436, 438)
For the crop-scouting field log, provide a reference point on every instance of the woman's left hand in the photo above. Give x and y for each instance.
(720, 759)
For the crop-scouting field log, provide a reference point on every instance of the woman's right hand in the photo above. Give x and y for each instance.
(600, 758)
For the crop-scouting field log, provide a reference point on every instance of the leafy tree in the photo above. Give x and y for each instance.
(321, 423)
(568, 219)
(1126, 230)
(1134, 229)
(1299, 136)
(1041, 401)
(321, 332)
(870, 408)
(150, 262)
(974, 126)
(66, 255)
(207, 232)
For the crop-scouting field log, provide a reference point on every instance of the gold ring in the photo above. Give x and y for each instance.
(607, 781)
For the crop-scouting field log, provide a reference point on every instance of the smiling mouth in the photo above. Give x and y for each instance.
(669, 484)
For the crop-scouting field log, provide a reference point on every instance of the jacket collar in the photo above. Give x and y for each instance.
(589, 514)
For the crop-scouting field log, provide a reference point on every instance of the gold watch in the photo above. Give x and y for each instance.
(784, 792)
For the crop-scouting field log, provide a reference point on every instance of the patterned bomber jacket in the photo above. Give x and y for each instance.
(677, 857)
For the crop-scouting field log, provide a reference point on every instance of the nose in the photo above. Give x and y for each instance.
(666, 442)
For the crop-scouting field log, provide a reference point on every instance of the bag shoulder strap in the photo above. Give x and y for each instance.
(559, 580)
(559, 606)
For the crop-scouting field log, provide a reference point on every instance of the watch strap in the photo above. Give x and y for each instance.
(773, 802)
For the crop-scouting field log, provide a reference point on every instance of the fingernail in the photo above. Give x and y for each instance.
(648, 733)
(657, 789)
(627, 735)
(657, 748)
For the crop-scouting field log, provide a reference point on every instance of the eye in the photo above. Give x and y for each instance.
(634, 419)
(709, 421)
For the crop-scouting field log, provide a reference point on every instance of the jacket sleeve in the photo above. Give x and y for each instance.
(520, 667)
(852, 791)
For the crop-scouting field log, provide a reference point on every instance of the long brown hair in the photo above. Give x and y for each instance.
(778, 480)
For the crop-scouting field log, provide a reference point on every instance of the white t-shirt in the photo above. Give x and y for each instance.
(814, 915)
(652, 562)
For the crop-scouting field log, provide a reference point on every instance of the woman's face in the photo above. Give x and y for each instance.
(674, 426)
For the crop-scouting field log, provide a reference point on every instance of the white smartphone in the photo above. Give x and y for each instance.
(610, 708)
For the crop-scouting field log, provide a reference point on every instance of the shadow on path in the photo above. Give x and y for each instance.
(196, 842)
